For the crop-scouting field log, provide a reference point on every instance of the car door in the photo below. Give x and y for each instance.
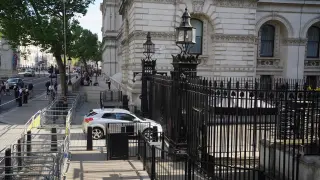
(113, 123)
(127, 124)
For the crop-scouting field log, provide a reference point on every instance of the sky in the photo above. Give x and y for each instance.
(93, 19)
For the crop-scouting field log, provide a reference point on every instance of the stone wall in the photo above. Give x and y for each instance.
(231, 41)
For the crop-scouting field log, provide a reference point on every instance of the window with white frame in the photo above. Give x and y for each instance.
(313, 42)
(197, 48)
(267, 34)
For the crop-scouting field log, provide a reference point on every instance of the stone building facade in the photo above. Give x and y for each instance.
(8, 58)
(235, 38)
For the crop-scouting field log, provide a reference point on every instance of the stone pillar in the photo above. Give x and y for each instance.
(294, 67)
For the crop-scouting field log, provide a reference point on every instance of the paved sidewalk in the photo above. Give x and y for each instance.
(93, 165)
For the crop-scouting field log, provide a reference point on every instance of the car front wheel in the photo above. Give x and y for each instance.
(97, 133)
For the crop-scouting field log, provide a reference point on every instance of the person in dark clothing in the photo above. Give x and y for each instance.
(20, 97)
(109, 83)
(16, 93)
(47, 86)
(30, 89)
(25, 96)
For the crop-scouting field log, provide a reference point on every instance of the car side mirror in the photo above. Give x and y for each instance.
(136, 120)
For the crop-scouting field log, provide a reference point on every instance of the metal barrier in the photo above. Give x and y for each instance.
(56, 113)
(36, 156)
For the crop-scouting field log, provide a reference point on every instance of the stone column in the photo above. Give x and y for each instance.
(294, 67)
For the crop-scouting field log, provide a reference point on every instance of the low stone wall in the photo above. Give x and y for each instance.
(273, 156)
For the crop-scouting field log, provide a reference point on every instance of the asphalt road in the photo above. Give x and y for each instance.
(8, 101)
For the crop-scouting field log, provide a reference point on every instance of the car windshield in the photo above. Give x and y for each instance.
(12, 80)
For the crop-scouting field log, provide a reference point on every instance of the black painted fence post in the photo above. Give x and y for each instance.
(155, 134)
(8, 165)
(162, 145)
(139, 141)
(153, 163)
(89, 139)
(19, 154)
(144, 153)
(54, 145)
(29, 143)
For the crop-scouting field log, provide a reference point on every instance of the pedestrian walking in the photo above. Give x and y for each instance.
(3, 88)
(30, 90)
(16, 93)
(7, 88)
(25, 95)
(109, 83)
(47, 86)
(20, 91)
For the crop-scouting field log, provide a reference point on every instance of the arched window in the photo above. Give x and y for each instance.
(313, 42)
(197, 48)
(267, 41)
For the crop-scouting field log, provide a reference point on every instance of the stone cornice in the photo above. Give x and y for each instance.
(235, 3)
(234, 38)
(295, 42)
(154, 35)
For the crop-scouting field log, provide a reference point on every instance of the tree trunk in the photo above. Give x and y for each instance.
(62, 71)
(85, 65)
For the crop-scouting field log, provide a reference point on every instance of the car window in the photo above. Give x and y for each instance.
(124, 116)
(12, 80)
(109, 116)
(92, 113)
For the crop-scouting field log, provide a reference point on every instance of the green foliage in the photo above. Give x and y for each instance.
(40, 23)
(86, 47)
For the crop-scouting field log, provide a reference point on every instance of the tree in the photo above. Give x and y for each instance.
(97, 57)
(40, 23)
(85, 47)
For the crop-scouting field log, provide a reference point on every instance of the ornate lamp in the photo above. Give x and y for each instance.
(185, 34)
(148, 47)
(148, 69)
(185, 64)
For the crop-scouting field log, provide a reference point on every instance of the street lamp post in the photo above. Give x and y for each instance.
(148, 69)
(184, 67)
(69, 77)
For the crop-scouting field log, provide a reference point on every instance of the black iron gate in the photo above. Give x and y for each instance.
(235, 129)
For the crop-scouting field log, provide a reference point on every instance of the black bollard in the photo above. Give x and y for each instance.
(28, 143)
(54, 146)
(89, 139)
(154, 134)
(8, 165)
(19, 154)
